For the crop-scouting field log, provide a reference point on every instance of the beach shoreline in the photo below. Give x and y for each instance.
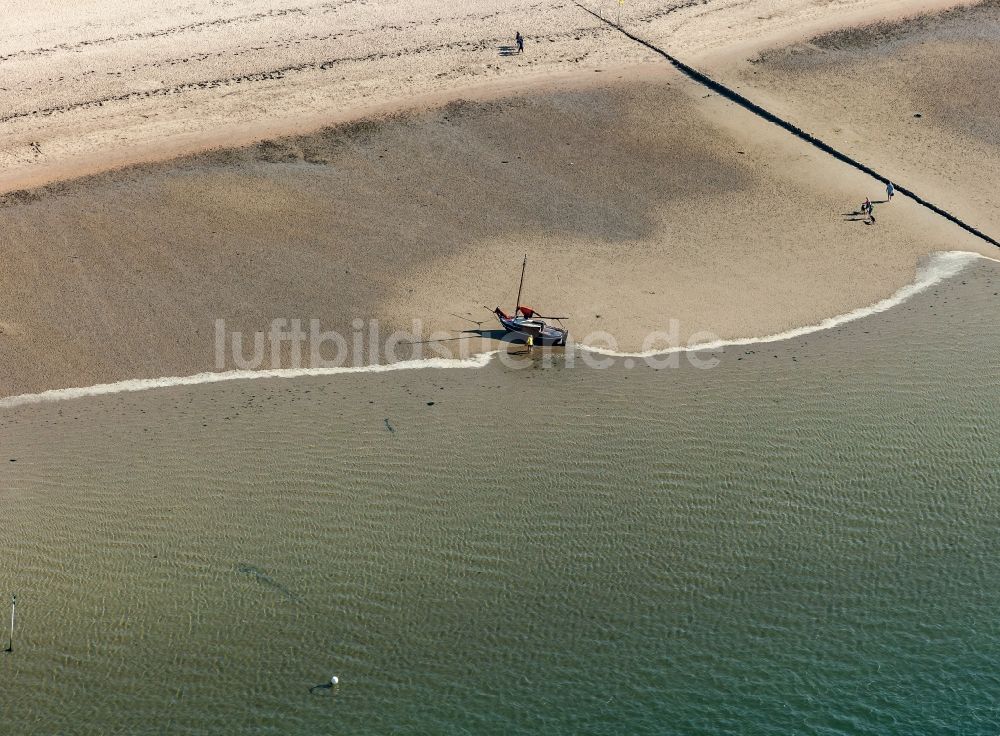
(940, 267)
(272, 464)
(674, 531)
(421, 208)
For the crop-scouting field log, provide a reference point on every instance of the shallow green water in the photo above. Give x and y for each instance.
(805, 539)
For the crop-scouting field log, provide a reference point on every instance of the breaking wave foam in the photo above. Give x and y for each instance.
(147, 384)
(935, 269)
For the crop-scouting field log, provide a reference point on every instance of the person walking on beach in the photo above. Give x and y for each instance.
(519, 40)
(889, 190)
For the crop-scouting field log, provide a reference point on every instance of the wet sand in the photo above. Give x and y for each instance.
(914, 98)
(638, 200)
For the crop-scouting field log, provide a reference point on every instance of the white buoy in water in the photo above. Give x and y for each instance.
(334, 680)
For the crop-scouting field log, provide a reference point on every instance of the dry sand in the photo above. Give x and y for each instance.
(637, 199)
(96, 83)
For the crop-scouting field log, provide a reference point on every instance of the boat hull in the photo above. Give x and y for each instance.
(541, 333)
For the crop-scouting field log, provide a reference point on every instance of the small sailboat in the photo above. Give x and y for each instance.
(526, 322)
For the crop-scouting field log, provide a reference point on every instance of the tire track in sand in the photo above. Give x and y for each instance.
(269, 74)
(325, 7)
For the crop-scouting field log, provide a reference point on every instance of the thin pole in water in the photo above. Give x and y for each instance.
(10, 643)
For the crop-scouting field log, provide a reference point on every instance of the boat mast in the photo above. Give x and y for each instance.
(520, 285)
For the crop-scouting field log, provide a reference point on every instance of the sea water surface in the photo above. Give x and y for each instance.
(803, 539)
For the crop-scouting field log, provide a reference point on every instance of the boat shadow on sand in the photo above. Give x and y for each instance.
(498, 335)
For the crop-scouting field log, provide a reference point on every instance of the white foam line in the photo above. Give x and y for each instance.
(147, 384)
(936, 268)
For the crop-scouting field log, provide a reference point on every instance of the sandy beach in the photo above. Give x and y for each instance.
(914, 97)
(642, 200)
(774, 507)
(100, 83)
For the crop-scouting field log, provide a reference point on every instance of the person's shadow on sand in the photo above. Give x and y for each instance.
(508, 50)
(859, 215)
